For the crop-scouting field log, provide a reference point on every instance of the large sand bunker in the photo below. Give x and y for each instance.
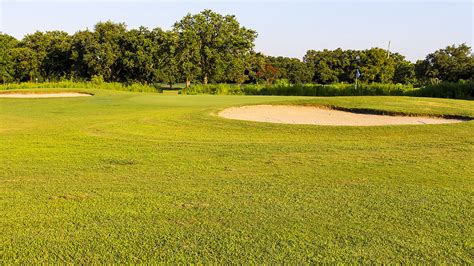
(307, 115)
(44, 95)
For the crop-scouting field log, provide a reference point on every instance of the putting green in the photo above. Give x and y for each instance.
(141, 178)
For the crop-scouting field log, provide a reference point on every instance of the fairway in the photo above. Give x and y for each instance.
(142, 177)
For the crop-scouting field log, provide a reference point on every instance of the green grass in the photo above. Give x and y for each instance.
(135, 87)
(138, 177)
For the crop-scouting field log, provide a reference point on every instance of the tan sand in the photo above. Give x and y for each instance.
(306, 115)
(44, 95)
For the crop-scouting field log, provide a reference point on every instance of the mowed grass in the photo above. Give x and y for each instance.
(131, 177)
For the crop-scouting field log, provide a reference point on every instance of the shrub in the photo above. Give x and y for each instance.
(455, 90)
(97, 83)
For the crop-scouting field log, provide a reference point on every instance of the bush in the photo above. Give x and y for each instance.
(282, 87)
(454, 90)
(96, 83)
(226, 89)
(97, 79)
(339, 89)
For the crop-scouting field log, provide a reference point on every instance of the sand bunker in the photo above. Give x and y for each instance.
(44, 95)
(306, 115)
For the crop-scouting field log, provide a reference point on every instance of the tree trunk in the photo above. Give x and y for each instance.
(205, 79)
(188, 82)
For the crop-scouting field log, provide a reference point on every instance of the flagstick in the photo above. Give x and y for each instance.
(388, 50)
(356, 84)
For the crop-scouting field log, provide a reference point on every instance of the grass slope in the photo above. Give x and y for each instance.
(123, 177)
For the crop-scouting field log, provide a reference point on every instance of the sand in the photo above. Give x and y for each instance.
(44, 95)
(306, 115)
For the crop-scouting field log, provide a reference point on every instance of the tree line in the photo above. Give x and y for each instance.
(208, 48)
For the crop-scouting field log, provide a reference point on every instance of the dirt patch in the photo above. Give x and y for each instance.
(44, 95)
(306, 115)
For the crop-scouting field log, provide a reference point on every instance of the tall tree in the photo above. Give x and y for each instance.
(99, 52)
(292, 69)
(26, 62)
(449, 64)
(256, 67)
(166, 58)
(7, 70)
(139, 47)
(210, 40)
(57, 61)
(404, 70)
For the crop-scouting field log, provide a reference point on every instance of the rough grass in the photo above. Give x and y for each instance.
(135, 87)
(124, 177)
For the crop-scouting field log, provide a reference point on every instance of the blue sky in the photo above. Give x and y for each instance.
(287, 28)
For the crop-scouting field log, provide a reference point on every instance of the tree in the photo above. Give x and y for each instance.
(269, 73)
(449, 64)
(99, 52)
(328, 66)
(256, 67)
(35, 52)
(376, 66)
(57, 61)
(139, 48)
(292, 69)
(209, 41)
(7, 71)
(404, 70)
(166, 58)
(25, 64)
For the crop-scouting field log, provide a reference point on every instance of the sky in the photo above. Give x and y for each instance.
(286, 28)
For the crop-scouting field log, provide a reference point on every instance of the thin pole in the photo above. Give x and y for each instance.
(388, 50)
(356, 83)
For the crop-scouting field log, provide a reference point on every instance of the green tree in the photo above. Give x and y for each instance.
(166, 58)
(256, 67)
(25, 62)
(7, 67)
(37, 44)
(209, 40)
(404, 70)
(376, 66)
(328, 66)
(139, 47)
(99, 52)
(52, 50)
(449, 64)
(292, 69)
(57, 61)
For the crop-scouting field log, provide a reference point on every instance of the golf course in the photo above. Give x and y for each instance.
(145, 177)
(236, 133)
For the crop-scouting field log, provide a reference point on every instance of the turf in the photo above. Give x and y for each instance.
(129, 177)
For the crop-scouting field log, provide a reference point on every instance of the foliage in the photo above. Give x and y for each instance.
(459, 90)
(283, 87)
(454, 90)
(215, 43)
(96, 83)
(292, 69)
(7, 67)
(375, 64)
(222, 89)
(208, 47)
(25, 62)
(452, 63)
